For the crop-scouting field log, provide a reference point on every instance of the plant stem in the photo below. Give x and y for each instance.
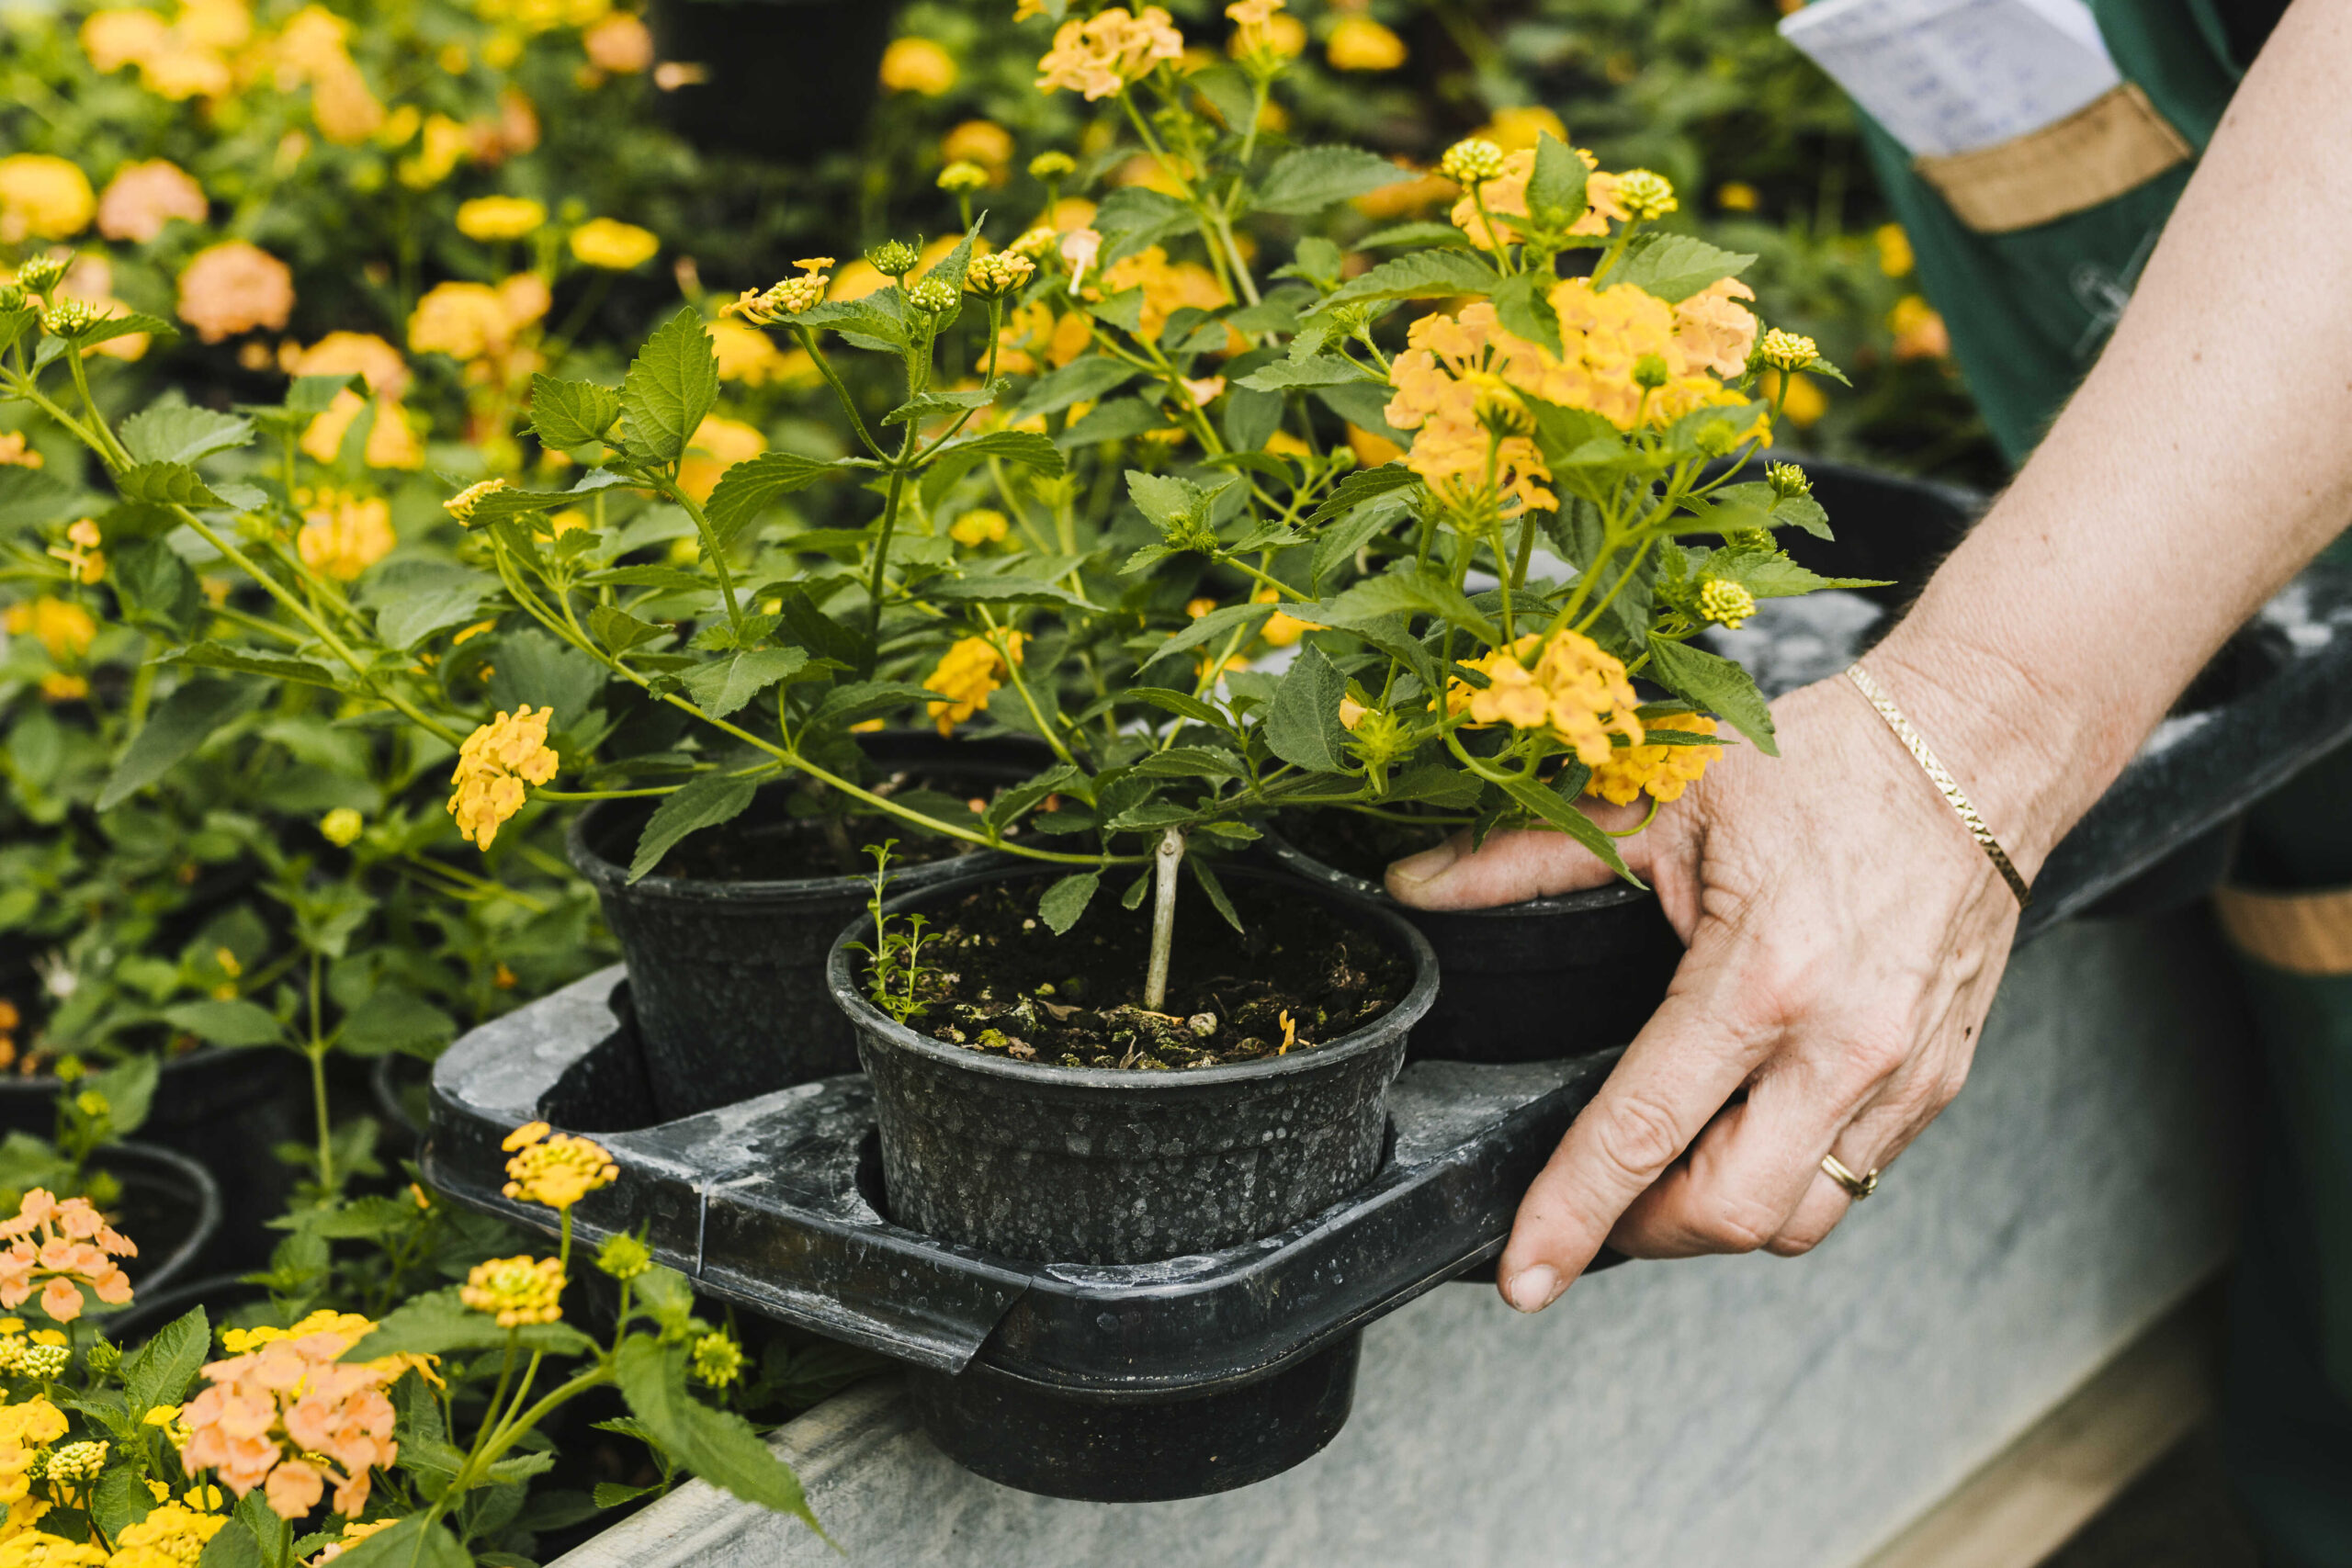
(1165, 859)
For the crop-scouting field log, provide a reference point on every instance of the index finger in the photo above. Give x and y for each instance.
(1691, 1056)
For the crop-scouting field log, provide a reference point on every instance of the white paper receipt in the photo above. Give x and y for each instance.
(1946, 76)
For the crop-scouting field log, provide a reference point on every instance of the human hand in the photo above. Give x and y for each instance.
(1845, 937)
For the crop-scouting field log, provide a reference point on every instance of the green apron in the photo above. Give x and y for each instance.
(2029, 312)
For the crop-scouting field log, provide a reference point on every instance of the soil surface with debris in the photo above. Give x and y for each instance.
(996, 979)
(788, 833)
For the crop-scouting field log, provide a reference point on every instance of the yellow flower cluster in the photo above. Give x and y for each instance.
(917, 66)
(981, 525)
(517, 1291)
(717, 1359)
(493, 218)
(1260, 32)
(391, 443)
(480, 324)
(462, 505)
(43, 197)
(344, 535)
(1724, 602)
(172, 1536)
(1359, 43)
(613, 245)
(1664, 771)
(38, 1549)
(496, 761)
(789, 298)
(1101, 55)
(1033, 337)
(63, 628)
(556, 1169)
(352, 1536)
(1573, 686)
(1448, 361)
(190, 56)
(1167, 287)
(967, 672)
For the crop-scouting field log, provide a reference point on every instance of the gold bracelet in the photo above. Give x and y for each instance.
(1918, 746)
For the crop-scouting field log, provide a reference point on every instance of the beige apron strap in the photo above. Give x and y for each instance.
(2111, 145)
(2303, 933)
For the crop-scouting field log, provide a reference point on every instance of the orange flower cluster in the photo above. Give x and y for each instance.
(1573, 687)
(1101, 55)
(496, 761)
(1448, 361)
(67, 1243)
(285, 1417)
(557, 1171)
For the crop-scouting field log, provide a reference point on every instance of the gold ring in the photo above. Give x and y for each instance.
(1857, 1187)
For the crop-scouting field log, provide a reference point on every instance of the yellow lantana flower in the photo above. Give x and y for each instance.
(63, 628)
(1664, 771)
(344, 535)
(43, 197)
(496, 761)
(613, 245)
(1359, 43)
(917, 66)
(517, 1291)
(1101, 55)
(967, 672)
(557, 1169)
(1575, 687)
(492, 218)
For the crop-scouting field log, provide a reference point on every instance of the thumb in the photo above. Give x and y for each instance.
(1512, 867)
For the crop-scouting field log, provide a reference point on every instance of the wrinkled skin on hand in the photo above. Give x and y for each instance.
(1845, 937)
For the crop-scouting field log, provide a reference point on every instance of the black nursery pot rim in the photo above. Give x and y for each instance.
(1373, 1036)
(1313, 872)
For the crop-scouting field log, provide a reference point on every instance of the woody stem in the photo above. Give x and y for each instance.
(1165, 859)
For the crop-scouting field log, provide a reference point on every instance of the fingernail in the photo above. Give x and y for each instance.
(1532, 1290)
(1426, 866)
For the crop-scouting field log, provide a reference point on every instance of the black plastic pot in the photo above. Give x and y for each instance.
(227, 1111)
(779, 78)
(1560, 977)
(1087, 1165)
(170, 1207)
(727, 978)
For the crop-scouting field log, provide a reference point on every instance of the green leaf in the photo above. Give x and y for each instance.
(617, 629)
(1207, 878)
(566, 414)
(307, 397)
(176, 484)
(1775, 576)
(415, 599)
(1521, 306)
(1067, 899)
(1081, 381)
(1420, 236)
(1425, 275)
(407, 1544)
(233, 1546)
(952, 265)
(35, 497)
(924, 405)
(129, 1087)
(1676, 267)
(670, 385)
(159, 1371)
(1243, 618)
(705, 802)
(976, 589)
(120, 1501)
(113, 327)
(1228, 92)
(876, 322)
(221, 1022)
(745, 490)
(1182, 704)
(1191, 763)
(862, 699)
(396, 1020)
(1312, 178)
(177, 433)
(1409, 591)
(1556, 189)
(1303, 725)
(534, 671)
(186, 718)
(1716, 684)
(155, 588)
(1133, 217)
(1544, 804)
(717, 1445)
(719, 689)
(438, 1323)
(1338, 544)
(1024, 448)
(1113, 420)
(220, 656)
(1318, 370)
(1362, 486)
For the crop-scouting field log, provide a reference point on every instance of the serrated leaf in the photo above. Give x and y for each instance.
(978, 590)
(414, 1542)
(925, 404)
(166, 484)
(185, 720)
(1311, 178)
(877, 323)
(617, 629)
(745, 490)
(1024, 448)
(1182, 704)
(1362, 486)
(1319, 370)
(1420, 236)
(1425, 275)
(1065, 900)
(415, 599)
(566, 414)
(1243, 618)
(1302, 725)
(1411, 592)
(1556, 187)
(1523, 308)
(717, 1445)
(178, 432)
(1113, 420)
(159, 1371)
(1191, 763)
(1228, 92)
(1206, 876)
(1674, 266)
(220, 656)
(1716, 684)
(226, 1023)
(721, 688)
(670, 385)
(1133, 217)
(705, 803)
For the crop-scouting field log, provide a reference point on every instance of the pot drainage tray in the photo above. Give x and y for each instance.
(774, 1204)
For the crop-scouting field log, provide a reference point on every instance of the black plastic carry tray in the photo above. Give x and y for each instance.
(773, 1203)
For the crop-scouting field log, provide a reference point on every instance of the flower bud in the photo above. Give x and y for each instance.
(893, 259)
(1053, 165)
(1037, 244)
(1786, 351)
(624, 1256)
(342, 826)
(1645, 195)
(1724, 602)
(71, 318)
(933, 295)
(41, 273)
(462, 505)
(1471, 162)
(1788, 481)
(962, 176)
(1650, 371)
(1000, 273)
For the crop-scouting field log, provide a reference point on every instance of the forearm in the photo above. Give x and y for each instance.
(2203, 463)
